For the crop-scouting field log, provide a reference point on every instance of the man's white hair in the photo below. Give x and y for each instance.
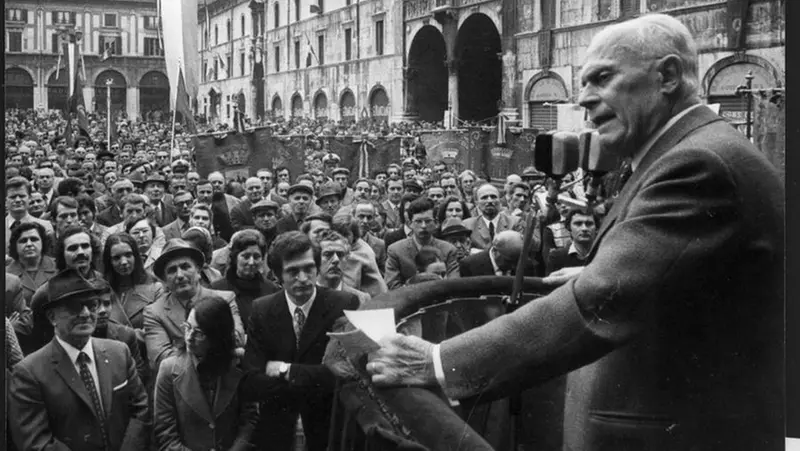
(653, 36)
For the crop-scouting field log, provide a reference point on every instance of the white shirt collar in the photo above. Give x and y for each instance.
(495, 221)
(497, 270)
(649, 144)
(305, 307)
(10, 219)
(73, 352)
(407, 229)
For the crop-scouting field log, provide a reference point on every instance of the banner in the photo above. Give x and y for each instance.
(243, 154)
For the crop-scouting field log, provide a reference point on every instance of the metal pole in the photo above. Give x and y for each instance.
(749, 77)
(108, 108)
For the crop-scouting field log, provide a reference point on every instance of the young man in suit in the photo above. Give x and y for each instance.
(491, 221)
(77, 392)
(403, 230)
(334, 249)
(499, 260)
(183, 209)
(680, 307)
(400, 266)
(582, 226)
(285, 348)
(394, 194)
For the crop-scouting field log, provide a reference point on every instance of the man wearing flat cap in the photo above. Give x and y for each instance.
(77, 392)
(300, 196)
(155, 186)
(342, 177)
(329, 198)
(179, 268)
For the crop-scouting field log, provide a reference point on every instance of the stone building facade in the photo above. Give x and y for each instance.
(136, 68)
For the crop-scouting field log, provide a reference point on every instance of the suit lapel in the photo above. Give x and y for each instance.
(228, 386)
(175, 311)
(103, 364)
(283, 328)
(66, 369)
(315, 324)
(691, 121)
(187, 382)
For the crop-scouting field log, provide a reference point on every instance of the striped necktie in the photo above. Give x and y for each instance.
(299, 323)
(88, 381)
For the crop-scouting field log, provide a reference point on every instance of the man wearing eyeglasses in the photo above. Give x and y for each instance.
(77, 392)
(400, 264)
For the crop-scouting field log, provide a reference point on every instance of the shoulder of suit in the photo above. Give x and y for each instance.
(265, 302)
(226, 294)
(470, 222)
(106, 344)
(399, 244)
(442, 244)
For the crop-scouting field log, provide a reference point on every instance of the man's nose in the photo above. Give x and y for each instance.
(587, 97)
(302, 276)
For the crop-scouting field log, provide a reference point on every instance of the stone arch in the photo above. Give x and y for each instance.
(22, 81)
(374, 100)
(348, 105)
(714, 70)
(427, 75)
(416, 27)
(276, 106)
(154, 92)
(480, 71)
(296, 105)
(539, 114)
(321, 111)
(489, 12)
(119, 88)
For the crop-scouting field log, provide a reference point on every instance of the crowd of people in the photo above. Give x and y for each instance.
(191, 309)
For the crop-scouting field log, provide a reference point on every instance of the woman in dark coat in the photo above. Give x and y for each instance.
(246, 271)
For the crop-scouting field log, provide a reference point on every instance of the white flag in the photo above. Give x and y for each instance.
(177, 16)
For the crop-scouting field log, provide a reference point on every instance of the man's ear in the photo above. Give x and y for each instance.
(670, 69)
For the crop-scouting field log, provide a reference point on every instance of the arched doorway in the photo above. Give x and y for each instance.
(427, 89)
(297, 106)
(321, 106)
(214, 99)
(19, 88)
(154, 94)
(480, 71)
(543, 94)
(722, 90)
(277, 107)
(119, 94)
(57, 90)
(379, 105)
(347, 106)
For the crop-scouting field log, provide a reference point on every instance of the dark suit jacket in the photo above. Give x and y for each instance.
(678, 314)
(286, 224)
(480, 264)
(560, 258)
(168, 214)
(47, 269)
(392, 216)
(173, 229)
(128, 308)
(184, 418)
(400, 264)
(15, 302)
(110, 216)
(53, 411)
(125, 334)
(241, 216)
(309, 390)
(394, 236)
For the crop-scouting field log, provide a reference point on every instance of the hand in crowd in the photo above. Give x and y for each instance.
(402, 360)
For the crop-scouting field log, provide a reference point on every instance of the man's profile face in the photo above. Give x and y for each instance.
(316, 228)
(519, 198)
(583, 229)
(622, 96)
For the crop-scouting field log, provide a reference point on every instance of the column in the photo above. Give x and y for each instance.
(88, 96)
(132, 102)
(409, 113)
(449, 23)
(508, 96)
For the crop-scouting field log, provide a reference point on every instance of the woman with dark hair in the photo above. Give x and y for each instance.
(246, 269)
(197, 400)
(27, 246)
(143, 232)
(133, 288)
(452, 207)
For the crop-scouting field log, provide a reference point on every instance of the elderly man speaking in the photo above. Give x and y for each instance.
(679, 311)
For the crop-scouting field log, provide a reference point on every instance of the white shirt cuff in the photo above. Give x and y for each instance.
(437, 366)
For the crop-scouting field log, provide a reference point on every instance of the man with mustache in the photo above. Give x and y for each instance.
(179, 267)
(490, 221)
(285, 346)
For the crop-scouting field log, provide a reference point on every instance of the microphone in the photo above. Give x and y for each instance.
(556, 153)
(596, 161)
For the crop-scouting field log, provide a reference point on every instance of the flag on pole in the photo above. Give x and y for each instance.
(311, 48)
(222, 65)
(180, 49)
(238, 119)
(182, 104)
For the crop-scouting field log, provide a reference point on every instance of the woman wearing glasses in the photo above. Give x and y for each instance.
(197, 403)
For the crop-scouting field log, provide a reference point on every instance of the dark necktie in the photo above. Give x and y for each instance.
(491, 231)
(88, 381)
(624, 175)
(14, 225)
(299, 322)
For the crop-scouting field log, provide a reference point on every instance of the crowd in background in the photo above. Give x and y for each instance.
(173, 272)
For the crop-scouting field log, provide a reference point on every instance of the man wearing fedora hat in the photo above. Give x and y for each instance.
(300, 196)
(179, 268)
(454, 232)
(77, 392)
(154, 187)
(329, 198)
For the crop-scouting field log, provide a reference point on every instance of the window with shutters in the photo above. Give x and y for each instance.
(379, 37)
(229, 31)
(628, 8)
(297, 54)
(152, 47)
(17, 15)
(151, 22)
(277, 15)
(321, 49)
(216, 35)
(241, 64)
(348, 44)
(229, 65)
(297, 10)
(243, 24)
(14, 41)
(64, 18)
(543, 97)
(277, 59)
(110, 20)
(55, 42)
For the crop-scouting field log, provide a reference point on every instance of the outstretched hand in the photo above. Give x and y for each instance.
(561, 276)
(402, 360)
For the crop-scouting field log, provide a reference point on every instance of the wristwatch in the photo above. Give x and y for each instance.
(283, 369)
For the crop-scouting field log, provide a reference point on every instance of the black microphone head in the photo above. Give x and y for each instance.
(565, 153)
(593, 157)
(543, 152)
